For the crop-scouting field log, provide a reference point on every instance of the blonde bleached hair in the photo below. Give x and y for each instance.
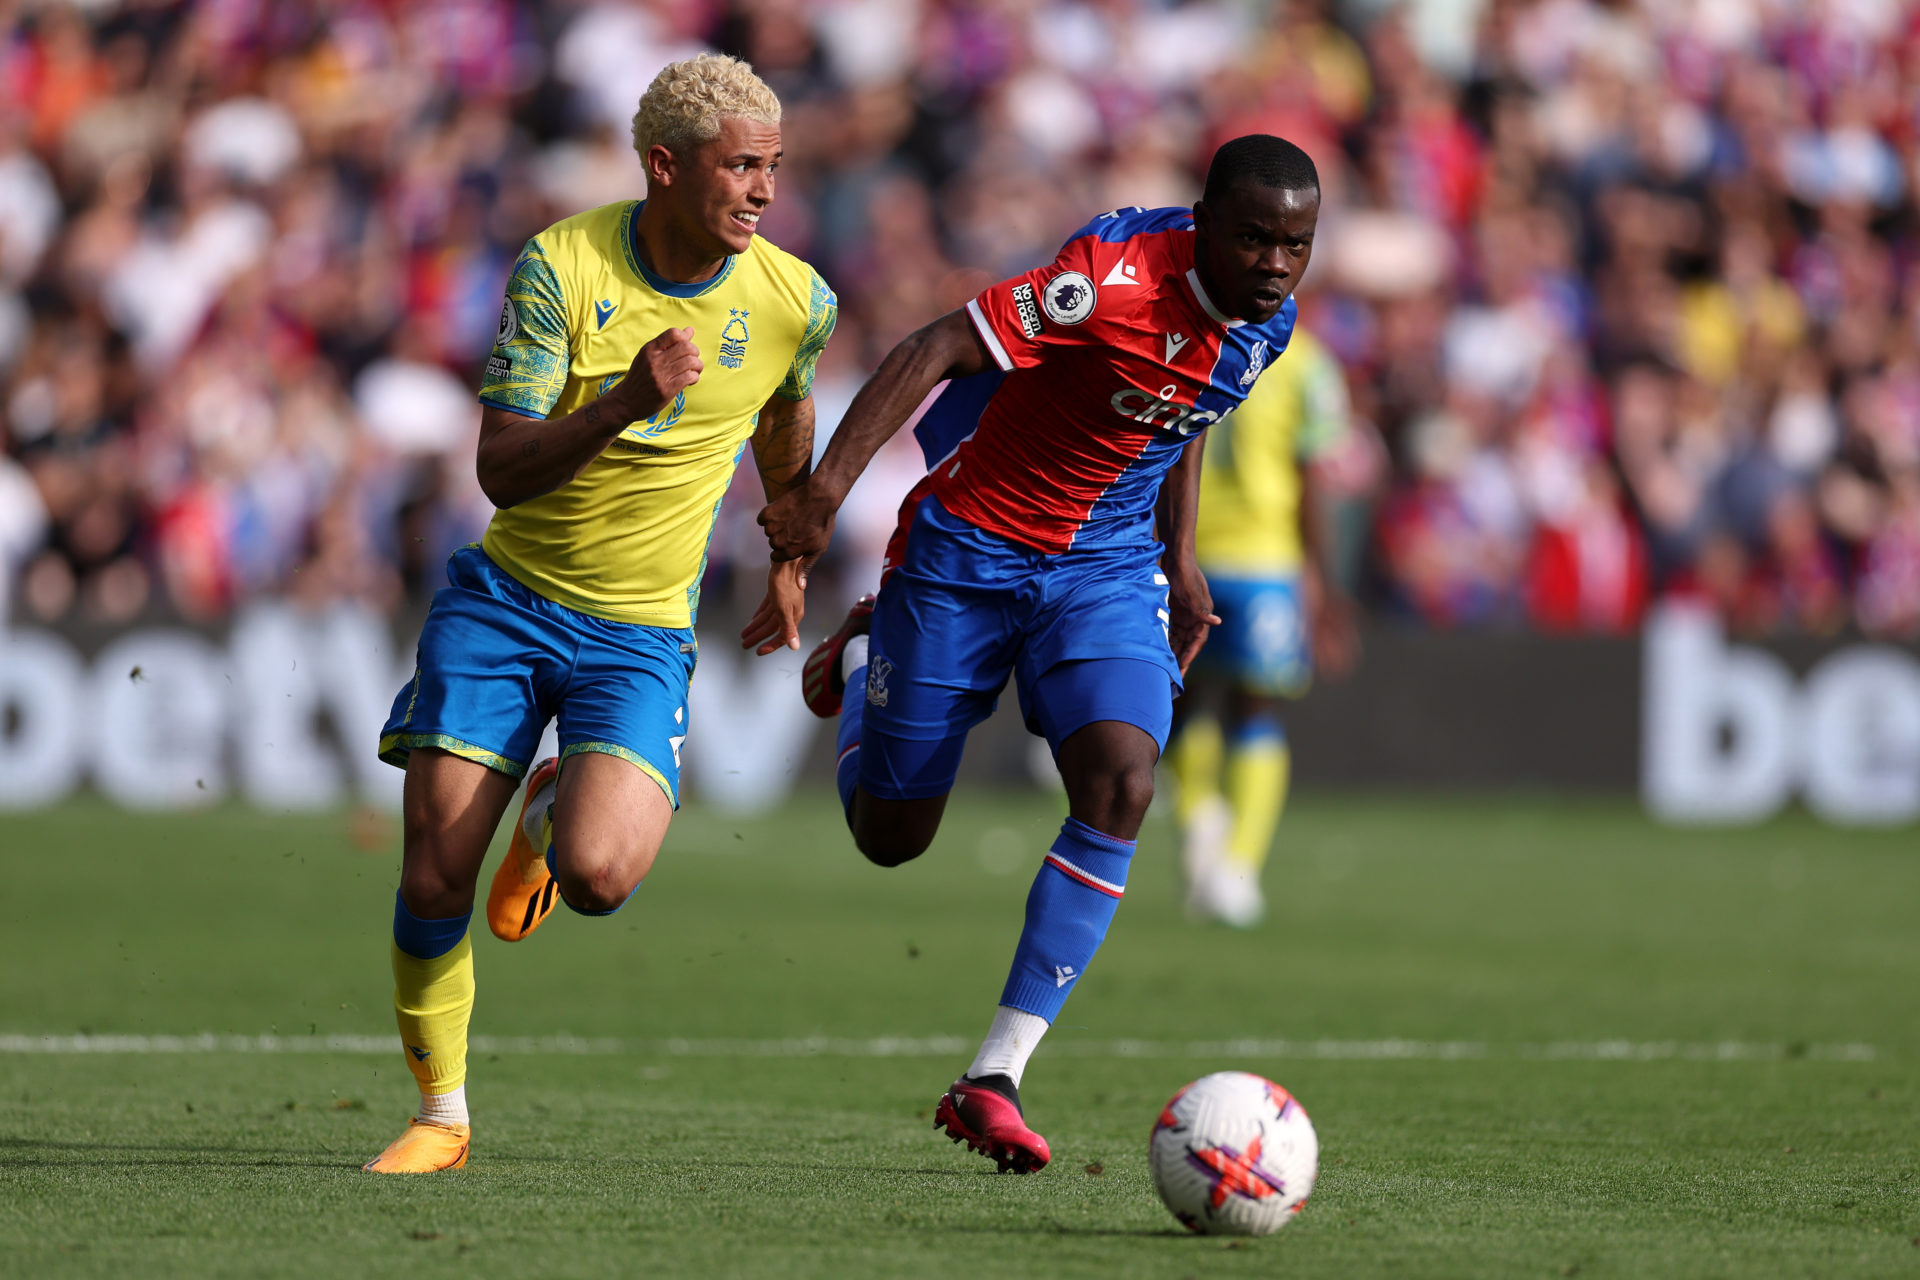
(684, 105)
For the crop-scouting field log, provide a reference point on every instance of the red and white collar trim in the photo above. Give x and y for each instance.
(1206, 303)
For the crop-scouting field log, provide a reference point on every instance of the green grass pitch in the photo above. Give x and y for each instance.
(1537, 1039)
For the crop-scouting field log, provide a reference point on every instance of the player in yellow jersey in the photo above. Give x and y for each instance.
(1258, 543)
(608, 468)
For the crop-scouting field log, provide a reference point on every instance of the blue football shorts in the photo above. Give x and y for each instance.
(1262, 642)
(497, 661)
(1083, 635)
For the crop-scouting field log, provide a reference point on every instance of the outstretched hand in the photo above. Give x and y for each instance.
(1191, 615)
(776, 623)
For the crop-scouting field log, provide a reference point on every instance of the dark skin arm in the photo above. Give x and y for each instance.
(799, 523)
(1176, 511)
(521, 457)
(1330, 613)
(783, 451)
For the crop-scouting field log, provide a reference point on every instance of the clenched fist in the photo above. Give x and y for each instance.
(663, 369)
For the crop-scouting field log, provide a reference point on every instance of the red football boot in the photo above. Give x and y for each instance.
(985, 1114)
(820, 682)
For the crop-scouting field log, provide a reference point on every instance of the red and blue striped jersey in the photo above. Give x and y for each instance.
(1110, 359)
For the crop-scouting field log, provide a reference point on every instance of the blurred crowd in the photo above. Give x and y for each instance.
(1626, 290)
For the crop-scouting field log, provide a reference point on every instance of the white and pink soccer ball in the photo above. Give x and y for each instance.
(1233, 1154)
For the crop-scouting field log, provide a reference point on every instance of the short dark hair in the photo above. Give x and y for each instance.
(1265, 161)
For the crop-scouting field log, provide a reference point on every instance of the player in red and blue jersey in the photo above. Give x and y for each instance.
(1052, 541)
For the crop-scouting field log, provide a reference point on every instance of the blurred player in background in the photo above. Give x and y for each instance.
(1052, 542)
(607, 468)
(1262, 545)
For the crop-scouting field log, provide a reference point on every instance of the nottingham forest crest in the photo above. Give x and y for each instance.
(733, 339)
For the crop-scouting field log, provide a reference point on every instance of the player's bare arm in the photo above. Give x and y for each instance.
(1189, 602)
(783, 452)
(1330, 611)
(783, 444)
(800, 523)
(522, 457)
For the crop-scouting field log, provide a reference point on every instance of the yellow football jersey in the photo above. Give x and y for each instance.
(1249, 519)
(627, 538)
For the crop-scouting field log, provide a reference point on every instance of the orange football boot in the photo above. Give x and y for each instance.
(524, 892)
(424, 1148)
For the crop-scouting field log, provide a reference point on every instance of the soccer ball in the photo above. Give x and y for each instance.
(1233, 1154)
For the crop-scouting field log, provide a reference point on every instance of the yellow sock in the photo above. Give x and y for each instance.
(433, 1002)
(1258, 769)
(1195, 759)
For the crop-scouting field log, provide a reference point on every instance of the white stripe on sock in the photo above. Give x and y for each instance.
(444, 1108)
(1010, 1041)
(853, 657)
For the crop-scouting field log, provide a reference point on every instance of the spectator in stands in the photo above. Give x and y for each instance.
(1628, 292)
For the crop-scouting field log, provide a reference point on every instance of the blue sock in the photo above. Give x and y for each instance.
(426, 939)
(1068, 910)
(1262, 726)
(846, 769)
(581, 911)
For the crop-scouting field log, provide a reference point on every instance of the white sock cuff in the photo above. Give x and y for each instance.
(533, 821)
(445, 1108)
(853, 657)
(1010, 1041)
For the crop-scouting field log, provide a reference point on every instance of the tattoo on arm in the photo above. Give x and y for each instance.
(772, 456)
(530, 448)
(783, 448)
(591, 416)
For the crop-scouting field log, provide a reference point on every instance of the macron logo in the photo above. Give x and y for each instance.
(1175, 341)
(420, 1055)
(1121, 274)
(603, 312)
(1063, 974)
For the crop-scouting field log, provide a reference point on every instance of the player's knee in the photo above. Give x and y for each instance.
(1246, 707)
(599, 888)
(889, 848)
(599, 866)
(429, 888)
(431, 895)
(890, 832)
(1118, 796)
(1133, 790)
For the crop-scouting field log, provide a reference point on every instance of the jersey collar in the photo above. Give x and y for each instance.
(630, 244)
(1206, 303)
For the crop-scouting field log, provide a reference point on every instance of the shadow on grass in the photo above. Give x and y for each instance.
(690, 1167)
(821, 1166)
(1062, 1229)
(147, 1154)
(49, 1153)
